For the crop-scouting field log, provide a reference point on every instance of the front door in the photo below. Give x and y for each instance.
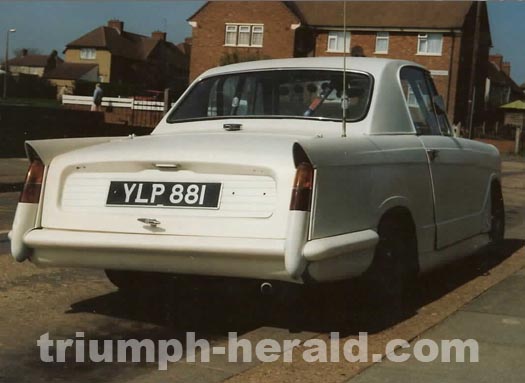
(459, 183)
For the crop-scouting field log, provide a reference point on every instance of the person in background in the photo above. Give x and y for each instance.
(97, 99)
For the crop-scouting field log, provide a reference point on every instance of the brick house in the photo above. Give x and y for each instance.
(125, 57)
(65, 76)
(33, 64)
(500, 88)
(439, 35)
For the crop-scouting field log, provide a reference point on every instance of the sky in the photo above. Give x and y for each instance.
(507, 26)
(47, 25)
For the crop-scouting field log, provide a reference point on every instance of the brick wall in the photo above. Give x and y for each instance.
(466, 63)
(208, 37)
(21, 123)
(504, 146)
(103, 59)
(403, 45)
(31, 70)
(124, 116)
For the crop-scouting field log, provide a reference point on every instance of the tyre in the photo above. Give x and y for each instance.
(497, 215)
(391, 280)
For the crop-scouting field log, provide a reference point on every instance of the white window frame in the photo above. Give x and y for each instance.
(230, 29)
(257, 30)
(425, 37)
(382, 36)
(247, 30)
(334, 35)
(88, 53)
(250, 29)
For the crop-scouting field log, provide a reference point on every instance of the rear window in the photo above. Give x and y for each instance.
(283, 93)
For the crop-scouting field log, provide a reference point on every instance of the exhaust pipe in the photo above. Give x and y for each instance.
(266, 288)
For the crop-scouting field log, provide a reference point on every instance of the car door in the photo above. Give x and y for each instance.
(459, 183)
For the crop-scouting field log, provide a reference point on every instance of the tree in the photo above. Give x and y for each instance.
(357, 51)
(26, 51)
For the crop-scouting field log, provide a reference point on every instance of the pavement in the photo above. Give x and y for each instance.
(496, 319)
(12, 173)
(481, 298)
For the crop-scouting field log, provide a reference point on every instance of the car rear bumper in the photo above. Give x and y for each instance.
(236, 257)
(253, 258)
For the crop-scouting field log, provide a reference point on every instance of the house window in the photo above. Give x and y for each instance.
(429, 43)
(336, 41)
(231, 35)
(257, 35)
(244, 35)
(382, 42)
(88, 53)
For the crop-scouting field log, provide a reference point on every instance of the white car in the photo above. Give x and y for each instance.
(253, 174)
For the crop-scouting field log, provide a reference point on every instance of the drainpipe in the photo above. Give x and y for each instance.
(472, 81)
(450, 69)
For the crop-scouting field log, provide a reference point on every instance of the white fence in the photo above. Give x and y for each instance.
(115, 102)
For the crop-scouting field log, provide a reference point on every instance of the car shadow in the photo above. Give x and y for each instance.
(213, 309)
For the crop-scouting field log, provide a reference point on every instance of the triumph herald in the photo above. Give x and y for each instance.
(290, 170)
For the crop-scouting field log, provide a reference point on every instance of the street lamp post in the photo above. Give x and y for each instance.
(6, 65)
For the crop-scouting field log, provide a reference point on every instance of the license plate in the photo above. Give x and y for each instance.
(165, 194)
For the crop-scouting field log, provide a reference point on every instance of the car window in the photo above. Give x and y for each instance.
(291, 93)
(419, 100)
(442, 118)
(222, 100)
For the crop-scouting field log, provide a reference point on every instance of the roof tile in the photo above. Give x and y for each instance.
(124, 44)
(384, 14)
(31, 60)
(69, 71)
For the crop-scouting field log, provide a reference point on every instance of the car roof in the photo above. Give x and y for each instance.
(370, 65)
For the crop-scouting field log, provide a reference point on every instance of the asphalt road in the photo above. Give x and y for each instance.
(62, 302)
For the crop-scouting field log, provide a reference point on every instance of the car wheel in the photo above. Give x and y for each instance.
(392, 277)
(497, 219)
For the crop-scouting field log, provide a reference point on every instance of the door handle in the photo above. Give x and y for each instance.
(432, 154)
(149, 221)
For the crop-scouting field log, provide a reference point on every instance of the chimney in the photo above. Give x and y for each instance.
(116, 24)
(158, 35)
(496, 59)
(505, 68)
(185, 47)
(24, 52)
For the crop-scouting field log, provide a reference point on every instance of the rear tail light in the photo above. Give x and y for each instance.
(302, 187)
(33, 182)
